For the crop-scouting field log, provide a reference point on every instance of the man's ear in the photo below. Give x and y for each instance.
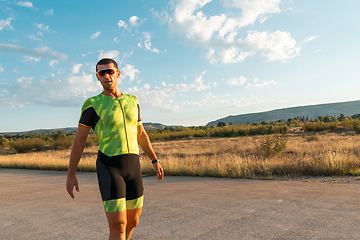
(118, 74)
(97, 77)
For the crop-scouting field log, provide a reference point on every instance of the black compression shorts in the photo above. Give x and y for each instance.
(120, 181)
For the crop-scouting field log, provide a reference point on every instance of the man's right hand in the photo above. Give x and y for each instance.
(72, 182)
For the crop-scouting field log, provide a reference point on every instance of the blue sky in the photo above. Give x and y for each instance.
(188, 61)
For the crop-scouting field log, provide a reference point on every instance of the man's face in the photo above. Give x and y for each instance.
(108, 81)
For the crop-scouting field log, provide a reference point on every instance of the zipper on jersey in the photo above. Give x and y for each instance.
(126, 135)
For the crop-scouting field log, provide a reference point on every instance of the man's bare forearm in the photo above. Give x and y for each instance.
(145, 144)
(77, 149)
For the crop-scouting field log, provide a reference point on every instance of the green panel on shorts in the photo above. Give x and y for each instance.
(115, 205)
(135, 203)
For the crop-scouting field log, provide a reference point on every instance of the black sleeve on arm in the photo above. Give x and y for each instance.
(89, 117)
(139, 118)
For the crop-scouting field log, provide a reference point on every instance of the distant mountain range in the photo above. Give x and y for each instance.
(311, 111)
(147, 126)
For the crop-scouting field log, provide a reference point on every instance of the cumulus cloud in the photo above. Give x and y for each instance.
(147, 43)
(31, 59)
(25, 4)
(50, 12)
(63, 90)
(53, 63)
(76, 68)
(246, 102)
(113, 54)
(95, 35)
(236, 81)
(219, 34)
(122, 24)
(134, 21)
(309, 39)
(129, 71)
(42, 27)
(163, 97)
(2, 69)
(274, 46)
(33, 37)
(5, 24)
(42, 52)
(261, 84)
(163, 17)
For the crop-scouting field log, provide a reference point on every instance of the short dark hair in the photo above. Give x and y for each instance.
(106, 61)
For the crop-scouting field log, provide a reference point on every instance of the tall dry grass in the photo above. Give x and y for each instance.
(238, 157)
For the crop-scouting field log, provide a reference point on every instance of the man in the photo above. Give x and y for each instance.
(115, 118)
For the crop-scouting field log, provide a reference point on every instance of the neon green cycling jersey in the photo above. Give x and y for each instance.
(114, 121)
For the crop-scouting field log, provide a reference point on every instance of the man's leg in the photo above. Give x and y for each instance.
(132, 220)
(117, 225)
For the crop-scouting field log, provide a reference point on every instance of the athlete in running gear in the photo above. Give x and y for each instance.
(115, 118)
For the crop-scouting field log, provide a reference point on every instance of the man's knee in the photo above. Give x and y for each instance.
(131, 223)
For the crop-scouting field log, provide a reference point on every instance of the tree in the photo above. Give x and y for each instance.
(221, 124)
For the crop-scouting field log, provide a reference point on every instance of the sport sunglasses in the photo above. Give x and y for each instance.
(109, 71)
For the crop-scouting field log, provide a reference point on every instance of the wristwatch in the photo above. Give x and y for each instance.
(154, 161)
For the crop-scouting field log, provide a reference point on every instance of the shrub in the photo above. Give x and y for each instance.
(357, 128)
(272, 145)
(61, 143)
(4, 142)
(91, 140)
(26, 145)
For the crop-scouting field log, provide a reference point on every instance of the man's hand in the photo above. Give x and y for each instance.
(72, 182)
(159, 171)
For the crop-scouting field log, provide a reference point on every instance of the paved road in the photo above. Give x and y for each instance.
(35, 205)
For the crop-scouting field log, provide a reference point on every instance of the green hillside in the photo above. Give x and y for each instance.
(311, 111)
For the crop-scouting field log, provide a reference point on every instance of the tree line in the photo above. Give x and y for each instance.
(22, 143)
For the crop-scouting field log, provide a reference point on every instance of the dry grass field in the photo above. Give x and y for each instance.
(305, 155)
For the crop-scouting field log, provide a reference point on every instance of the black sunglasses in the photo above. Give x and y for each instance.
(109, 71)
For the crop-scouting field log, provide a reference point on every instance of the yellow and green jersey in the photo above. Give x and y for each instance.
(114, 121)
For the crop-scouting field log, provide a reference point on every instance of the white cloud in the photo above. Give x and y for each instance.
(219, 33)
(2, 69)
(147, 43)
(163, 17)
(263, 19)
(6, 24)
(274, 46)
(309, 39)
(116, 40)
(42, 27)
(25, 4)
(53, 63)
(246, 102)
(258, 84)
(227, 55)
(43, 52)
(50, 12)
(113, 54)
(33, 37)
(236, 81)
(129, 71)
(95, 35)
(147, 86)
(197, 85)
(133, 21)
(122, 24)
(63, 90)
(31, 59)
(76, 68)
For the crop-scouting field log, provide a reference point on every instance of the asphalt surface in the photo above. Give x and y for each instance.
(35, 205)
